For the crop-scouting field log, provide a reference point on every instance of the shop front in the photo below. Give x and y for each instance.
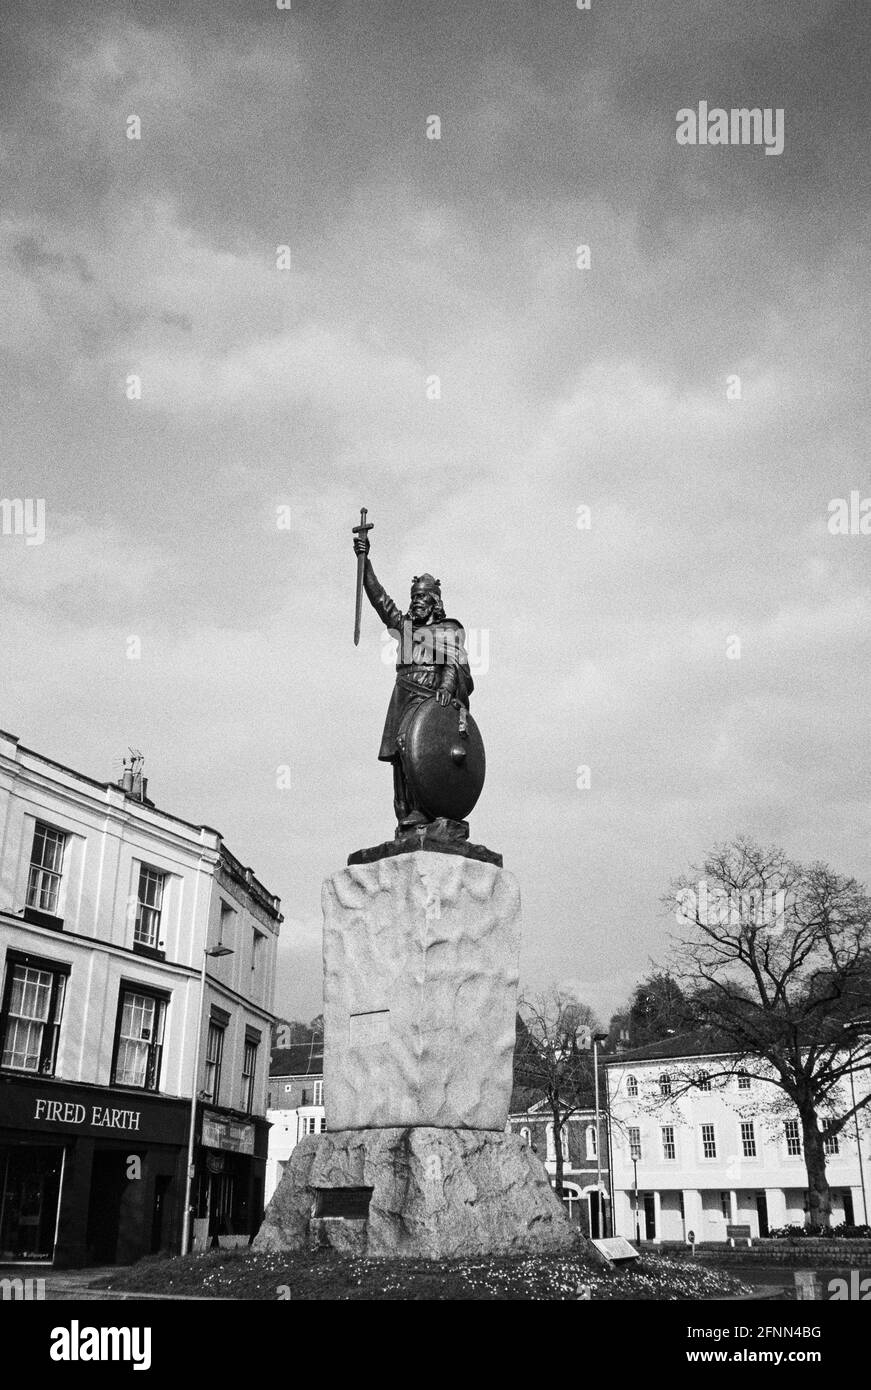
(230, 1176)
(88, 1174)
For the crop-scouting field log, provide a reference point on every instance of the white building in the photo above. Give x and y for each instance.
(724, 1152)
(107, 905)
(296, 1100)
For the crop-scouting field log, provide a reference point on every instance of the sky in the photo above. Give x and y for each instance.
(701, 647)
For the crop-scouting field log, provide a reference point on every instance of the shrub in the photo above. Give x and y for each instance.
(842, 1232)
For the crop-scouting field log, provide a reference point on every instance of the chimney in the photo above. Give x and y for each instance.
(132, 783)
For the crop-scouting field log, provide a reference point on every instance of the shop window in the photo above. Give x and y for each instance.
(149, 905)
(249, 1071)
(139, 1040)
(46, 867)
(214, 1060)
(33, 1003)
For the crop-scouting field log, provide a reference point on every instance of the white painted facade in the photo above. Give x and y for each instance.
(709, 1158)
(206, 896)
(288, 1127)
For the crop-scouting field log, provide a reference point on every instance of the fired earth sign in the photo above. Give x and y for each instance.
(98, 1116)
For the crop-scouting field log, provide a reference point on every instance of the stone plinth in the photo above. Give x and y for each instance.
(420, 1193)
(421, 956)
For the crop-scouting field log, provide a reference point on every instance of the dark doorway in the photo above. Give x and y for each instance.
(108, 1181)
(762, 1213)
(595, 1219)
(161, 1189)
(30, 1180)
(649, 1216)
(849, 1215)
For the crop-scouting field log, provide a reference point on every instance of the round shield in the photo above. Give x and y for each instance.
(443, 756)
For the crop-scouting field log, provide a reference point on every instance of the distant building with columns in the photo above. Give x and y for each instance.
(723, 1151)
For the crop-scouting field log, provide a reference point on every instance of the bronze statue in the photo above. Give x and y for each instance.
(429, 736)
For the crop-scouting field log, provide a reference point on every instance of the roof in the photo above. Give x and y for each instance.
(301, 1059)
(704, 1042)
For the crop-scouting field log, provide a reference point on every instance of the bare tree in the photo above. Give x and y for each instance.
(552, 1057)
(777, 957)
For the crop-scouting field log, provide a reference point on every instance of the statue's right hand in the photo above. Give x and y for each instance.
(361, 545)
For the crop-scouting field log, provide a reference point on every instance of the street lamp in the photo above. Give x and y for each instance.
(861, 1023)
(597, 1038)
(636, 1154)
(214, 951)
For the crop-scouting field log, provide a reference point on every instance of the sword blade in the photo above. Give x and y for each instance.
(361, 565)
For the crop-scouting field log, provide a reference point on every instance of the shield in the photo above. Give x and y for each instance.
(443, 757)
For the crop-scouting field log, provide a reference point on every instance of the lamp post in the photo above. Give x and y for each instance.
(859, 1147)
(597, 1038)
(635, 1157)
(219, 950)
(861, 1023)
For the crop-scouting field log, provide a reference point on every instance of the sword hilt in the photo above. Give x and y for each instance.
(364, 524)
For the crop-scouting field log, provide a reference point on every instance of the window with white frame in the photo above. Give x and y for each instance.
(792, 1135)
(632, 1086)
(249, 1072)
(149, 905)
(748, 1139)
(214, 1060)
(669, 1147)
(709, 1141)
(139, 1040)
(665, 1084)
(743, 1081)
(830, 1142)
(318, 1095)
(46, 868)
(703, 1081)
(551, 1144)
(33, 1002)
(633, 1135)
(592, 1146)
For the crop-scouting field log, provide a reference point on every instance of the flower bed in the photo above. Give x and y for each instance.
(248, 1274)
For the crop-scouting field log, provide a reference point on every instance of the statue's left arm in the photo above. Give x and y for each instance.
(452, 657)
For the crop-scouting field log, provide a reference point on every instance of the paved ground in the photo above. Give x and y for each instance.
(778, 1281)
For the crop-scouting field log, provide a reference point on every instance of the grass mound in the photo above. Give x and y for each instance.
(324, 1274)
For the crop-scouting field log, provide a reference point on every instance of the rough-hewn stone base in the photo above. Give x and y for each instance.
(421, 958)
(435, 1194)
